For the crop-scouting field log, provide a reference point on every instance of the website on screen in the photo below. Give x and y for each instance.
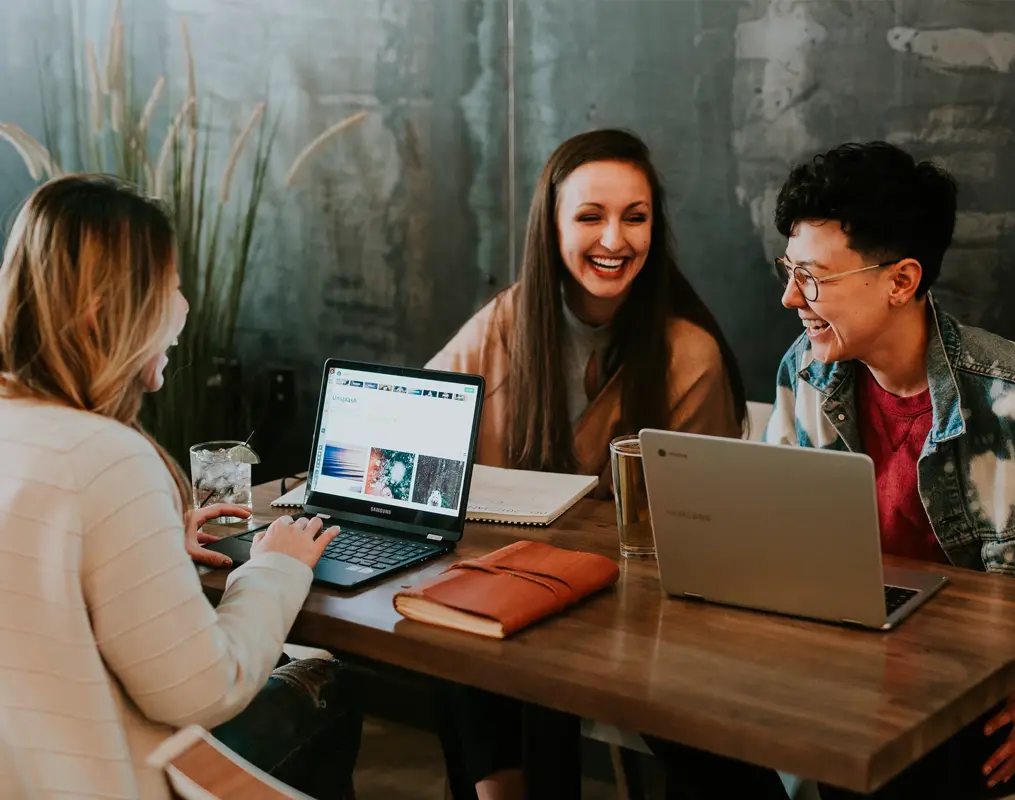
(396, 441)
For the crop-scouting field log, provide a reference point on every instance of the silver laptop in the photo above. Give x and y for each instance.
(786, 529)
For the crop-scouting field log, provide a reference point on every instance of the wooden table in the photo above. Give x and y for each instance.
(847, 707)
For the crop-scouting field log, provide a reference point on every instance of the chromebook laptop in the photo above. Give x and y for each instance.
(786, 529)
(391, 463)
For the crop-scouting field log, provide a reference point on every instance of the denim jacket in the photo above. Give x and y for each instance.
(966, 471)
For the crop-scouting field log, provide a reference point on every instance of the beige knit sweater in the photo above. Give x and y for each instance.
(107, 642)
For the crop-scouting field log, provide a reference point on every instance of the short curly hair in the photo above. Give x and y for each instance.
(889, 205)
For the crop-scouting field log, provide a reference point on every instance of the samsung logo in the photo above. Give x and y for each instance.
(377, 510)
(695, 515)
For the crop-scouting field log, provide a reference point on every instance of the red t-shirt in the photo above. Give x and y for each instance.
(893, 431)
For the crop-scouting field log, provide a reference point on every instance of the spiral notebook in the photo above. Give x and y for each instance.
(513, 496)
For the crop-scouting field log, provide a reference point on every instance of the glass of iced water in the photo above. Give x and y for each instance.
(220, 473)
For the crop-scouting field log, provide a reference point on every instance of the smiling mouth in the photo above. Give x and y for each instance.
(607, 265)
(814, 327)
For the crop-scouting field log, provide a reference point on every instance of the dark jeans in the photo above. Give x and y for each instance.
(303, 728)
(483, 733)
(952, 771)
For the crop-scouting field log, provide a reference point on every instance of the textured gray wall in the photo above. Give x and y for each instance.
(397, 231)
(730, 94)
(403, 226)
(388, 241)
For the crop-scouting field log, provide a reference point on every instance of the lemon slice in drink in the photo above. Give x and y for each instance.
(243, 453)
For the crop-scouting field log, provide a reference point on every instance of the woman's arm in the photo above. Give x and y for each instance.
(179, 659)
(702, 398)
(707, 407)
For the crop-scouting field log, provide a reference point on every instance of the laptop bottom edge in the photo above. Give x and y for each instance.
(925, 584)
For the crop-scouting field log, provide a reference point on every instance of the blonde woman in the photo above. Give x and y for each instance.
(107, 642)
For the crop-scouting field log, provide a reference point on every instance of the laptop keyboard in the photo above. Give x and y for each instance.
(369, 549)
(896, 597)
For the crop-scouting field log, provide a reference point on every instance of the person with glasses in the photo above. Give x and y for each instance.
(882, 369)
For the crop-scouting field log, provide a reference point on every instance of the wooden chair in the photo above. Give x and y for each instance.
(198, 767)
(757, 416)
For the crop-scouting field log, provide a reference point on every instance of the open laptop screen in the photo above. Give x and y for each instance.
(395, 443)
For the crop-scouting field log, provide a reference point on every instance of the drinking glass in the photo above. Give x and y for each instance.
(633, 520)
(217, 475)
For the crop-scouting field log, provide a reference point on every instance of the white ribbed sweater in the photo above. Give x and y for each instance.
(107, 642)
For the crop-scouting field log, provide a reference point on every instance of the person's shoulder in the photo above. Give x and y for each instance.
(72, 448)
(499, 310)
(115, 448)
(490, 324)
(64, 429)
(985, 353)
(692, 345)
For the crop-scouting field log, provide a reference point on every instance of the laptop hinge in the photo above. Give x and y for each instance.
(693, 596)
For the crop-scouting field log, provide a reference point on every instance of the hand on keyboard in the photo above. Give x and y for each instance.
(298, 539)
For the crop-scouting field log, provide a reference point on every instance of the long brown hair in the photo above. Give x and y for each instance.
(540, 433)
(85, 299)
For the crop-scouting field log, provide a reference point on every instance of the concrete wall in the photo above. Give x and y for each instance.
(404, 225)
(729, 94)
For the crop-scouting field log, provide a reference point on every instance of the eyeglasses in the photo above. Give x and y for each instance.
(807, 282)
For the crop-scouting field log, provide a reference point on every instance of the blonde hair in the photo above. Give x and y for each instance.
(85, 299)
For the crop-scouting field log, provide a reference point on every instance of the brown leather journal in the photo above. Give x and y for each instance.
(505, 591)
